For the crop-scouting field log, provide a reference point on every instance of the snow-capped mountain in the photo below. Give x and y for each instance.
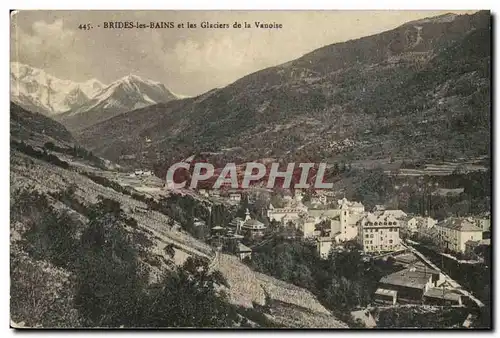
(35, 90)
(128, 93)
(79, 105)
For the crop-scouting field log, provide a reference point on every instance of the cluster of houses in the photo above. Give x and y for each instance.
(233, 195)
(236, 230)
(456, 234)
(331, 223)
(141, 173)
(379, 233)
(345, 220)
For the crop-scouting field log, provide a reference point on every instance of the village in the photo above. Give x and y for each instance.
(378, 234)
(333, 223)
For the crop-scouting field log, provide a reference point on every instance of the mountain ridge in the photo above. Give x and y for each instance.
(37, 90)
(125, 94)
(413, 92)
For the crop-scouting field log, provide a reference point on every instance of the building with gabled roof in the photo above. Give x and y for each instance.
(454, 232)
(243, 251)
(324, 246)
(379, 233)
(396, 213)
(483, 221)
(409, 284)
(355, 207)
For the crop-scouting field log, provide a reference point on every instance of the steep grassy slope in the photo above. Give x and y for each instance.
(43, 280)
(37, 128)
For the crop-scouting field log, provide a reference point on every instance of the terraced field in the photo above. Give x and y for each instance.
(290, 305)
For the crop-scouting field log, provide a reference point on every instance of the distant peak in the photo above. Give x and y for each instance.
(132, 77)
(93, 81)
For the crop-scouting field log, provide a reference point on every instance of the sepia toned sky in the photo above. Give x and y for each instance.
(187, 61)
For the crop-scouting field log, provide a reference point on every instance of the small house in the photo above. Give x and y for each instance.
(243, 251)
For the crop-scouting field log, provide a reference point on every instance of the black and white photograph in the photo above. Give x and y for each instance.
(251, 169)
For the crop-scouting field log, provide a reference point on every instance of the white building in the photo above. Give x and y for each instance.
(410, 225)
(323, 246)
(343, 219)
(319, 199)
(483, 222)
(139, 172)
(454, 232)
(243, 251)
(379, 233)
(199, 222)
(353, 207)
(324, 214)
(235, 225)
(418, 224)
(292, 212)
(214, 193)
(308, 227)
(426, 223)
(203, 192)
(235, 197)
(350, 214)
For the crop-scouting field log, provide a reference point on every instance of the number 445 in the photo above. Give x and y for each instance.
(85, 26)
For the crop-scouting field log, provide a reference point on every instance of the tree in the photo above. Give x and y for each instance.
(108, 276)
(40, 296)
(188, 297)
(374, 187)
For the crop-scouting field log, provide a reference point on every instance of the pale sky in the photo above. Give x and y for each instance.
(187, 61)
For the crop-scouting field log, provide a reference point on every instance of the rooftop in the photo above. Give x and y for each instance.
(394, 213)
(460, 224)
(406, 258)
(253, 224)
(350, 204)
(481, 242)
(408, 278)
(243, 248)
(419, 266)
(323, 212)
(378, 218)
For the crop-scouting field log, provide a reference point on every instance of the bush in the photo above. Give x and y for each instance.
(41, 155)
